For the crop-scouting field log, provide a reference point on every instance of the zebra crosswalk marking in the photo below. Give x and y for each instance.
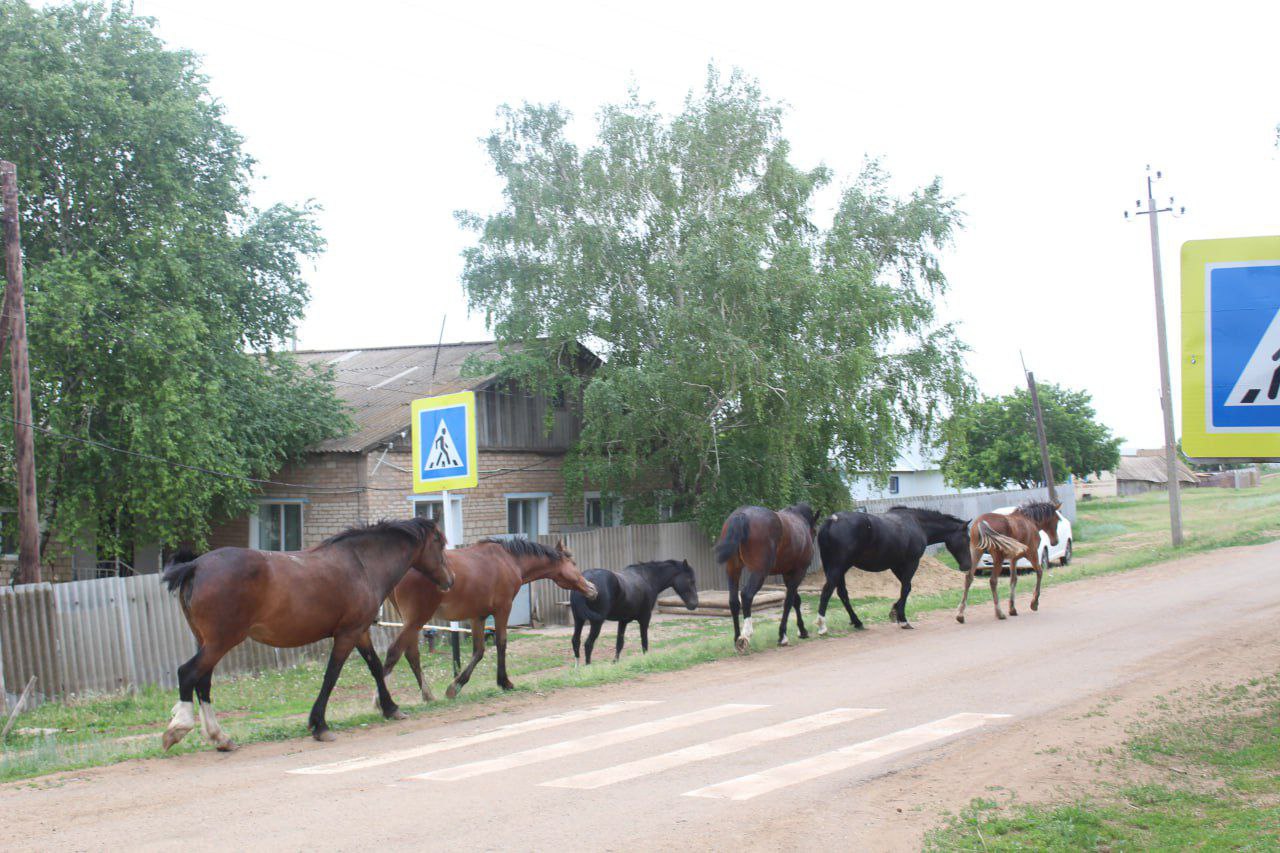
(766, 781)
(511, 730)
(585, 744)
(711, 749)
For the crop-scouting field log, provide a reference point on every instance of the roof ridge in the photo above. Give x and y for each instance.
(402, 346)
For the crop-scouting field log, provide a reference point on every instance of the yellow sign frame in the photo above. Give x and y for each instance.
(468, 480)
(1199, 439)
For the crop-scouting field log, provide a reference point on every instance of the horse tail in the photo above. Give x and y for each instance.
(826, 545)
(736, 532)
(178, 574)
(582, 608)
(597, 610)
(989, 540)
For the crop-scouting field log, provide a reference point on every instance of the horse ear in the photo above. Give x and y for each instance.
(560, 545)
(1057, 504)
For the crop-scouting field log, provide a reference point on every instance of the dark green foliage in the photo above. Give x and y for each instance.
(992, 443)
(751, 355)
(149, 280)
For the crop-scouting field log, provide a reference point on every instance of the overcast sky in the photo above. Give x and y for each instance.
(1042, 123)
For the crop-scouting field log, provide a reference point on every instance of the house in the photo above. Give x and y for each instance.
(1146, 471)
(916, 472)
(366, 475)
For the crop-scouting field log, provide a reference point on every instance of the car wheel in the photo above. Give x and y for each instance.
(1066, 555)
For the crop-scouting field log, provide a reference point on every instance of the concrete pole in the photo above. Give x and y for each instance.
(1166, 398)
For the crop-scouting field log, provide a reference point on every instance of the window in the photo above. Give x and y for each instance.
(432, 507)
(666, 508)
(433, 510)
(601, 512)
(893, 484)
(527, 515)
(277, 527)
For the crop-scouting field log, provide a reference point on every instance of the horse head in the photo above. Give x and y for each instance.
(429, 558)
(565, 573)
(685, 585)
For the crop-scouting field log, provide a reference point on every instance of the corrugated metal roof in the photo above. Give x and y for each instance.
(1151, 469)
(377, 384)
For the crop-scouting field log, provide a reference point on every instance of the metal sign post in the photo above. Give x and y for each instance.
(1231, 349)
(444, 450)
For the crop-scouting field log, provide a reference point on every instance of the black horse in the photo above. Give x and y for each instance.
(629, 595)
(895, 540)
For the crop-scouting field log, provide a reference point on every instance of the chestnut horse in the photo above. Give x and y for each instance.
(292, 598)
(766, 543)
(1010, 536)
(487, 577)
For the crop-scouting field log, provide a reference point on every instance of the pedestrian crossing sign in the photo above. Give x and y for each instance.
(444, 442)
(1231, 348)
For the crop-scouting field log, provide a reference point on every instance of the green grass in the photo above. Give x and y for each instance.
(1112, 535)
(1218, 758)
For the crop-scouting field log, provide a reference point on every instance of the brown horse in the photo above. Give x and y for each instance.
(487, 577)
(291, 598)
(1010, 537)
(766, 543)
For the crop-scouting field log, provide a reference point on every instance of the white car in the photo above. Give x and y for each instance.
(1048, 553)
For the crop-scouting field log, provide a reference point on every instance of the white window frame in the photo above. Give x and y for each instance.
(302, 519)
(895, 484)
(544, 508)
(453, 535)
(615, 506)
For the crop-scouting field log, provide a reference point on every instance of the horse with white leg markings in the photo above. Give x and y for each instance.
(764, 542)
(626, 596)
(1010, 537)
(287, 599)
(894, 540)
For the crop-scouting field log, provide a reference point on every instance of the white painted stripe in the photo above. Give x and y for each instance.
(755, 784)
(584, 744)
(389, 380)
(711, 749)
(533, 725)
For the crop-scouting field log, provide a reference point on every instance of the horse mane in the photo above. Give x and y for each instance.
(417, 529)
(519, 546)
(1038, 510)
(929, 514)
(804, 511)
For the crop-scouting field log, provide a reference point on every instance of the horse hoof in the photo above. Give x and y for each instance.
(173, 736)
(228, 746)
(506, 685)
(1012, 612)
(324, 736)
(783, 641)
(742, 644)
(1035, 605)
(1000, 615)
(907, 626)
(858, 626)
(822, 625)
(428, 697)
(960, 618)
(804, 635)
(396, 714)
(452, 692)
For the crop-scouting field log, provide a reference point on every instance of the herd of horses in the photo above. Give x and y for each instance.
(336, 589)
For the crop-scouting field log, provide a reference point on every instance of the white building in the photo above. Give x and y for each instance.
(917, 472)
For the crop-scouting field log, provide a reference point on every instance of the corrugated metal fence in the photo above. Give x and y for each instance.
(106, 635)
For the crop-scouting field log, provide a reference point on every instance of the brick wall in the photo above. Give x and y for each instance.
(484, 508)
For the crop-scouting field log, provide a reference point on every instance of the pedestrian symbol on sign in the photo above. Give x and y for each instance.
(1262, 372)
(444, 454)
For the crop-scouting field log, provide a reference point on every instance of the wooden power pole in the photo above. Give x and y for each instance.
(16, 325)
(1041, 437)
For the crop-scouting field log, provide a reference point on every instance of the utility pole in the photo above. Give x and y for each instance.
(16, 324)
(1040, 436)
(1166, 399)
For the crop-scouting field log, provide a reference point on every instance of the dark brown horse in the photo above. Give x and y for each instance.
(487, 577)
(766, 543)
(292, 598)
(1010, 537)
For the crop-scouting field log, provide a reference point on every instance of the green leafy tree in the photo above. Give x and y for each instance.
(150, 282)
(993, 443)
(752, 354)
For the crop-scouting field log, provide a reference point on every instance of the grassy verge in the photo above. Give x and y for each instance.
(1111, 535)
(1204, 775)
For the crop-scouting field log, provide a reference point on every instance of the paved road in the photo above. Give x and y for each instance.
(714, 754)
